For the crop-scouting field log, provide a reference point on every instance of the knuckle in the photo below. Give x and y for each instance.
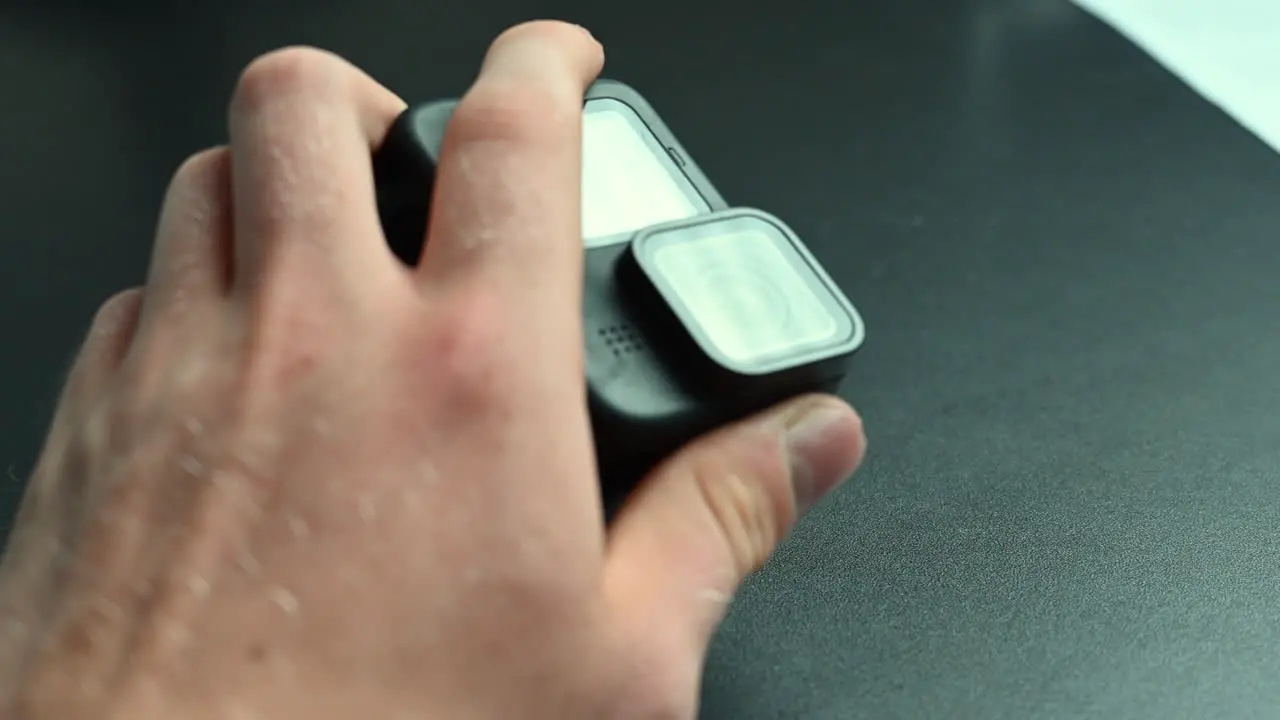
(117, 312)
(199, 169)
(193, 185)
(288, 72)
(746, 504)
(466, 350)
(525, 113)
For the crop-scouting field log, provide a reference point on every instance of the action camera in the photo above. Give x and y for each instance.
(697, 313)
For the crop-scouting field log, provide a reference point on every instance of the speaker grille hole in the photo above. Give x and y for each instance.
(621, 339)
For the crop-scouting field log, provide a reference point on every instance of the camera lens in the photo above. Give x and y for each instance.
(749, 299)
(745, 295)
(747, 290)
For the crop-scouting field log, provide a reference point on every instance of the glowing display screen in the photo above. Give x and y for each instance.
(628, 180)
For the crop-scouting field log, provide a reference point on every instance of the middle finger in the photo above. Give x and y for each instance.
(506, 217)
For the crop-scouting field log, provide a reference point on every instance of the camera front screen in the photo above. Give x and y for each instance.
(629, 180)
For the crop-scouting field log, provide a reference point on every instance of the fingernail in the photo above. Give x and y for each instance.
(824, 447)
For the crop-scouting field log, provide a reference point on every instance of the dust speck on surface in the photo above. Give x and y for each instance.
(287, 601)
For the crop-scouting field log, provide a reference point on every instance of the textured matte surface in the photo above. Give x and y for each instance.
(1067, 261)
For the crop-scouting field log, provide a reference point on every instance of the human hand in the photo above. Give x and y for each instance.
(293, 478)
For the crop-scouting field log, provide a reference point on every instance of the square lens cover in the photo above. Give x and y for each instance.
(748, 291)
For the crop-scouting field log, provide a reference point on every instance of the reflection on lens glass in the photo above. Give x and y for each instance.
(745, 295)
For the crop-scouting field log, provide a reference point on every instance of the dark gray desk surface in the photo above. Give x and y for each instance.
(1069, 264)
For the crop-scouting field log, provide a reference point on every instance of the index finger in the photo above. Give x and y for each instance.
(506, 217)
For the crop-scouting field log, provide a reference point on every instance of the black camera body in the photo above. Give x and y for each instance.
(696, 313)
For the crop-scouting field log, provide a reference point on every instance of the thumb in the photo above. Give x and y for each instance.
(713, 513)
